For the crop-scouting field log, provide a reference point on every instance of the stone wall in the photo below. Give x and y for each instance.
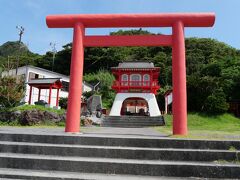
(32, 117)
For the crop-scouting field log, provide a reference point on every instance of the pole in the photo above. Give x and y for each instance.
(8, 68)
(21, 31)
(30, 95)
(166, 104)
(50, 96)
(179, 80)
(53, 45)
(57, 99)
(39, 94)
(76, 74)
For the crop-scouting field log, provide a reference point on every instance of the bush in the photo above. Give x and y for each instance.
(12, 91)
(216, 103)
(63, 101)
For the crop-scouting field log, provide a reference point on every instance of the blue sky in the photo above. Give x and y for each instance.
(31, 15)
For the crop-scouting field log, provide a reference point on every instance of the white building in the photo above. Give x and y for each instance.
(31, 73)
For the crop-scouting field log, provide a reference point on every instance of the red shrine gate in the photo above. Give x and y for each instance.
(175, 20)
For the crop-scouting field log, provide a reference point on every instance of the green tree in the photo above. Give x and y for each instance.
(12, 91)
(106, 80)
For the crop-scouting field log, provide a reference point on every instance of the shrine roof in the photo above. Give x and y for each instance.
(135, 65)
(46, 83)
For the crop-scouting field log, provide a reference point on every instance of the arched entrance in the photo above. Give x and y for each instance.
(135, 106)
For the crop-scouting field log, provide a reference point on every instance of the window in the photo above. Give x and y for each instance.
(35, 75)
(146, 80)
(65, 86)
(124, 80)
(32, 75)
(135, 80)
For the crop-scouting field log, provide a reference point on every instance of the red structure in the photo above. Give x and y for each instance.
(45, 83)
(136, 78)
(176, 20)
(136, 83)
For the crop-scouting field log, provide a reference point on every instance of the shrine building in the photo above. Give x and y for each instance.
(136, 85)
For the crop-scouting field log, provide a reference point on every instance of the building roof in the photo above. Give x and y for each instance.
(45, 70)
(58, 75)
(44, 81)
(135, 65)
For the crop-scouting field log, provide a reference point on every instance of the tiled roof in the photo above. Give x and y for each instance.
(135, 64)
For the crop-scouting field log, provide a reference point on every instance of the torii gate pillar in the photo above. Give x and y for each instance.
(75, 89)
(179, 80)
(178, 21)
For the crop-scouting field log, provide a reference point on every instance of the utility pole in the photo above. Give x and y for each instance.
(21, 31)
(54, 51)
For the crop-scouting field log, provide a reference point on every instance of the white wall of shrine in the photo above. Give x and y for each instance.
(149, 97)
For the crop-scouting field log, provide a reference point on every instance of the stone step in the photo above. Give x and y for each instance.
(120, 166)
(129, 121)
(131, 125)
(113, 140)
(132, 121)
(118, 152)
(7, 173)
(134, 117)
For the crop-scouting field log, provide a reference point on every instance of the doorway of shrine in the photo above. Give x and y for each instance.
(135, 106)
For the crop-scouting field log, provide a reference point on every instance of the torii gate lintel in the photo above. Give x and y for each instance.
(175, 20)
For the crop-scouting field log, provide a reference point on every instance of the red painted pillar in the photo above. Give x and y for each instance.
(57, 99)
(30, 95)
(76, 73)
(179, 80)
(50, 95)
(39, 94)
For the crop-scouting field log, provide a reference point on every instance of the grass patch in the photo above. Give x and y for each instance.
(222, 161)
(208, 127)
(45, 123)
(10, 123)
(37, 107)
(231, 148)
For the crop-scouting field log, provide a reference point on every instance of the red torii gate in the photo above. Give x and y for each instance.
(175, 20)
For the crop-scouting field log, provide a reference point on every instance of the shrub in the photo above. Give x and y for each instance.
(216, 103)
(63, 102)
(12, 91)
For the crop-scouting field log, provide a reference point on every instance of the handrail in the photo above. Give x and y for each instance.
(135, 83)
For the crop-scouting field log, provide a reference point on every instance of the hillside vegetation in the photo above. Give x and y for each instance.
(213, 69)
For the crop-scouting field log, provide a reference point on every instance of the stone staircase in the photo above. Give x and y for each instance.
(132, 121)
(87, 156)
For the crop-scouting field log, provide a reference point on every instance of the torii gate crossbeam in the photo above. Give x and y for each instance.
(175, 20)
